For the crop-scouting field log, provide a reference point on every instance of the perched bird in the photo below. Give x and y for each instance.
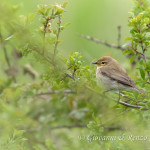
(113, 75)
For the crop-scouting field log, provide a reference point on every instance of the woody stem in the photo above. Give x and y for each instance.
(145, 60)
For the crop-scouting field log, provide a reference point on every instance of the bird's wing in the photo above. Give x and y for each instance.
(118, 75)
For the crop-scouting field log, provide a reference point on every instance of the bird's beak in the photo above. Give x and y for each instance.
(94, 62)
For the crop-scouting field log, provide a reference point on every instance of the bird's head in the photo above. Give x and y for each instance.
(104, 61)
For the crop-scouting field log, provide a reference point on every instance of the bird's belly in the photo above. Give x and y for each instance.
(111, 84)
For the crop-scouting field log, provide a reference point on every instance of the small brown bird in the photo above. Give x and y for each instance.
(113, 75)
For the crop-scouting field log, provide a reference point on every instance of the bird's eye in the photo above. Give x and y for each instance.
(102, 62)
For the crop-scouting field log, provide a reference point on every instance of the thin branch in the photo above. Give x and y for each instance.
(57, 37)
(68, 76)
(112, 128)
(5, 52)
(6, 56)
(126, 97)
(119, 35)
(68, 126)
(144, 57)
(73, 74)
(137, 52)
(45, 58)
(45, 27)
(130, 105)
(139, 2)
(106, 128)
(56, 92)
(133, 106)
(90, 38)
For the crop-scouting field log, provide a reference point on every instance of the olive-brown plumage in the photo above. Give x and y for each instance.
(113, 75)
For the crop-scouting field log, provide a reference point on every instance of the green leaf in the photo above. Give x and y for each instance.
(65, 26)
(47, 11)
(64, 4)
(128, 51)
(59, 10)
(132, 58)
(128, 39)
(142, 72)
(41, 10)
(141, 62)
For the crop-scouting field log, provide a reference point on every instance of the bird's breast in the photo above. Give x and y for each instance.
(108, 82)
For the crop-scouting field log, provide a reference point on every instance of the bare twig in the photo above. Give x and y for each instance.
(133, 106)
(90, 38)
(137, 52)
(109, 45)
(5, 52)
(139, 2)
(57, 37)
(45, 27)
(56, 92)
(126, 97)
(68, 76)
(6, 56)
(73, 74)
(119, 35)
(130, 105)
(68, 126)
(29, 70)
(107, 128)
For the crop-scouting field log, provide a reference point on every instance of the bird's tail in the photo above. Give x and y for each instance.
(140, 91)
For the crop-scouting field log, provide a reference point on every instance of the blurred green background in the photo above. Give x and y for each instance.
(20, 103)
(95, 18)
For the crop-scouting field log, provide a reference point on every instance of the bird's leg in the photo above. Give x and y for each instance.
(119, 94)
(119, 97)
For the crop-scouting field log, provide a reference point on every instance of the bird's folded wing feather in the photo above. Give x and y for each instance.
(118, 75)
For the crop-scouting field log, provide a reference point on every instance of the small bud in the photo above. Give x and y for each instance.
(58, 22)
(48, 18)
(50, 30)
(49, 24)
